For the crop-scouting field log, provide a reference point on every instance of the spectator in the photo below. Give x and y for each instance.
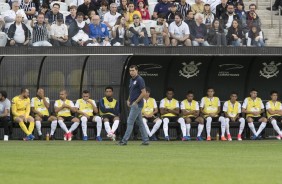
(91, 13)
(199, 31)
(161, 8)
(208, 16)
(275, 6)
(255, 37)
(2, 25)
(59, 33)
(98, 32)
(5, 105)
(190, 18)
(130, 13)
(86, 7)
(216, 35)
(198, 7)
(234, 2)
(10, 15)
(139, 32)
(179, 31)
(122, 9)
(241, 14)
(18, 33)
(72, 16)
(183, 7)
(78, 31)
(145, 15)
(221, 9)
(213, 4)
(43, 9)
(96, 4)
(229, 16)
(52, 16)
(252, 16)
(171, 14)
(235, 34)
(29, 8)
(111, 17)
(159, 31)
(40, 31)
(103, 10)
(119, 32)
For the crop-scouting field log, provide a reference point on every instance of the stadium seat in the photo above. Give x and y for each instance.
(152, 7)
(63, 6)
(65, 13)
(4, 7)
(3, 39)
(68, 2)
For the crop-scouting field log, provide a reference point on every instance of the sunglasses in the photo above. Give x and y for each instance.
(135, 17)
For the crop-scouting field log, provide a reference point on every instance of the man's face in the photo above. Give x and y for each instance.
(133, 72)
(73, 11)
(160, 20)
(199, 20)
(96, 20)
(63, 95)
(169, 94)
(85, 96)
(55, 9)
(233, 97)
(191, 15)
(190, 97)
(254, 94)
(108, 93)
(173, 8)
(274, 96)
(15, 6)
(79, 19)
(19, 18)
(147, 95)
(114, 9)
(40, 19)
(240, 7)
(40, 92)
(177, 19)
(87, 2)
(230, 9)
(210, 92)
(26, 93)
(252, 8)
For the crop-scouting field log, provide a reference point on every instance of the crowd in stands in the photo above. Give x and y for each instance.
(123, 23)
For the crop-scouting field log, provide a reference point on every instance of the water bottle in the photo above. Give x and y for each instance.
(47, 136)
(217, 136)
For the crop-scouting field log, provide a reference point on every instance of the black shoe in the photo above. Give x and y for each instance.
(122, 144)
(273, 8)
(52, 138)
(135, 138)
(40, 137)
(145, 144)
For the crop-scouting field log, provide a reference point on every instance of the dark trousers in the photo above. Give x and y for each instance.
(277, 3)
(5, 123)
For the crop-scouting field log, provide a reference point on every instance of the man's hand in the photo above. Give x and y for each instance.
(86, 115)
(128, 103)
(12, 42)
(141, 34)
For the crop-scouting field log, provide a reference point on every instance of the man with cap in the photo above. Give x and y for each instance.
(59, 32)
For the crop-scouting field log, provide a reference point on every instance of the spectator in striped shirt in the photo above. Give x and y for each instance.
(183, 7)
(40, 31)
(29, 8)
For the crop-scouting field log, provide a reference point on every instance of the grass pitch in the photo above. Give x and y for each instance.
(77, 162)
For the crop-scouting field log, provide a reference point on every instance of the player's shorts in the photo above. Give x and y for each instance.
(255, 119)
(214, 119)
(66, 118)
(236, 120)
(171, 119)
(109, 117)
(152, 119)
(90, 118)
(192, 118)
(14, 118)
(277, 118)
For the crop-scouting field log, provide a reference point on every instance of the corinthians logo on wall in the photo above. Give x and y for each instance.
(270, 70)
(189, 70)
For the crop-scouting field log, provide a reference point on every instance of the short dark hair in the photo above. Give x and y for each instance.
(271, 93)
(56, 4)
(161, 16)
(210, 88)
(4, 94)
(169, 89)
(179, 15)
(85, 91)
(190, 92)
(44, 6)
(79, 14)
(23, 90)
(230, 5)
(234, 93)
(41, 14)
(73, 7)
(134, 66)
(253, 5)
(253, 89)
(131, 3)
(104, 3)
(189, 12)
(148, 89)
(109, 87)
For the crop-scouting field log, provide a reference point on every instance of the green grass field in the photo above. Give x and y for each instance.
(91, 162)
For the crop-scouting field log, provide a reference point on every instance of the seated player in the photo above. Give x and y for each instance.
(210, 108)
(232, 111)
(39, 106)
(86, 108)
(253, 107)
(190, 113)
(21, 111)
(63, 109)
(274, 112)
(109, 111)
(169, 108)
(149, 113)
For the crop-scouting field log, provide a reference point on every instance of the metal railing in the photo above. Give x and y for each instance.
(279, 9)
(271, 12)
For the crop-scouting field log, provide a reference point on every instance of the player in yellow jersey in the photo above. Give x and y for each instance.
(39, 106)
(210, 108)
(86, 108)
(232, 111)
(63, 109)
(149, 113)
(109, 111)
(21, 113)
(274, 112)
(190, 113)
(169, 109)
(253, 107)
